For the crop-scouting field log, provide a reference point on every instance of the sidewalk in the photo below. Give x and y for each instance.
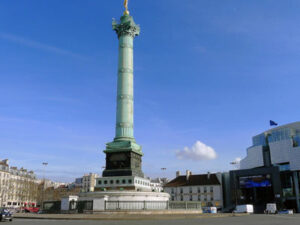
(149, 215)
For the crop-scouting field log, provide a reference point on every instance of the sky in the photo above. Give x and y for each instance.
(209, 75)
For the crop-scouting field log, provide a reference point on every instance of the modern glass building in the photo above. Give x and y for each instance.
(270, 171)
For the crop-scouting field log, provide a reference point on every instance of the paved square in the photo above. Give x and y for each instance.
(238, 220)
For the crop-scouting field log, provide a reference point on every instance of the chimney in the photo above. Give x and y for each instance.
(177, 173)
(188, 174)
(208, 175)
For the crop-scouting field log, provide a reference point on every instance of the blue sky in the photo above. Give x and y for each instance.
(211, 71)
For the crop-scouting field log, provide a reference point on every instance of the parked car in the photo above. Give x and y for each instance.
(5, 215)
(210, 210)
(286, 211)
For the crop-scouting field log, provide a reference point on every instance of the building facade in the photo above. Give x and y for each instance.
(270, 171)
(89, 182)
(206, 188)
(18, 187)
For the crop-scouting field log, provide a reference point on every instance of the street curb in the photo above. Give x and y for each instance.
(123, 217)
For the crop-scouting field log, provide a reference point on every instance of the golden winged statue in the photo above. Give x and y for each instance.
(126, 7)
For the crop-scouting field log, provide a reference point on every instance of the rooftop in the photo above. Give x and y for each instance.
(295, 125)
(194, 180)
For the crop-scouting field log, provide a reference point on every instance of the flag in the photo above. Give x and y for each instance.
(272, 123)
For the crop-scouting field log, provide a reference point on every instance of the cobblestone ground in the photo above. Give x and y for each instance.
(243, 220)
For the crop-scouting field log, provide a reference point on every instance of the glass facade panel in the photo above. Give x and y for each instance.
(279, 135)
(284, 167)
(297, 140)
(287, 184)
(259, 140)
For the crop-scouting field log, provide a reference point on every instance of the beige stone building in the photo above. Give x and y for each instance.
(89, 182)
(204, 188)
(18, 187)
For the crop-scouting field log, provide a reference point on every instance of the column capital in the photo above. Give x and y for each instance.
(126, 26)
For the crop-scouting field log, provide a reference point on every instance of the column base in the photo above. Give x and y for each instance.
(123, 158)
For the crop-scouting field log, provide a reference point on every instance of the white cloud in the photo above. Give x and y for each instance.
(199, 151)
(236, 163)
(237, 160)
(37, 45)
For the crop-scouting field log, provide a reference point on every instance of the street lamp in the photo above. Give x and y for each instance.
(45, 164)
(236, 163)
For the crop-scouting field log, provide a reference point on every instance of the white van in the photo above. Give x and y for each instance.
(244, 209)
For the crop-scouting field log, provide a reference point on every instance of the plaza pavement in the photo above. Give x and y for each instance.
(229, 220)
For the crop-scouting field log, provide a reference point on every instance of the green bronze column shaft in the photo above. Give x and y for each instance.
(124, 116)
(126, 32)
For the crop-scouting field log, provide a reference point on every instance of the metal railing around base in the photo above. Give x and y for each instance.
(136, 205)
(151, 205)
(185, 205)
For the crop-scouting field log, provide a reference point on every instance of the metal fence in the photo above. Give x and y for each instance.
(151, 205)
(135, 205)
(185, 205)
(83, 206)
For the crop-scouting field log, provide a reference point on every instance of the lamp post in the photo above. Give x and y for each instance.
(164, 169)
(45, 164)
(236, 163)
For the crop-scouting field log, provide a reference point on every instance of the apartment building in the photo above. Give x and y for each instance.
(205, 188)
(89, 182)
(18, 187)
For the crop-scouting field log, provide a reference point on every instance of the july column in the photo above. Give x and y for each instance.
(126, 32)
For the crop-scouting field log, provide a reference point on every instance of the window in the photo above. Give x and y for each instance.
(172, 190)
(211, 189)
(181, 198)
(105, 182)
(124, 181)
(198, 190)
(191, 197)
(211, 197)
(181, 190)
(117, 181)
(111, 181)
(199, 197)
(205, 189)
(99, 182)
(129, 181)
(191, 190)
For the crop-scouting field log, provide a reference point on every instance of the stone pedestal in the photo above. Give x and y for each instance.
(68, 203)
(126, 200)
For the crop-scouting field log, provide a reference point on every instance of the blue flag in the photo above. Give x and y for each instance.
(272, 123)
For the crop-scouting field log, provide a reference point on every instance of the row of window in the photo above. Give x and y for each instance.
(205, 189)
(18, 203)
(105, 182)
(276, 135)
(198, 199)
(279, 135)
(123, 181)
